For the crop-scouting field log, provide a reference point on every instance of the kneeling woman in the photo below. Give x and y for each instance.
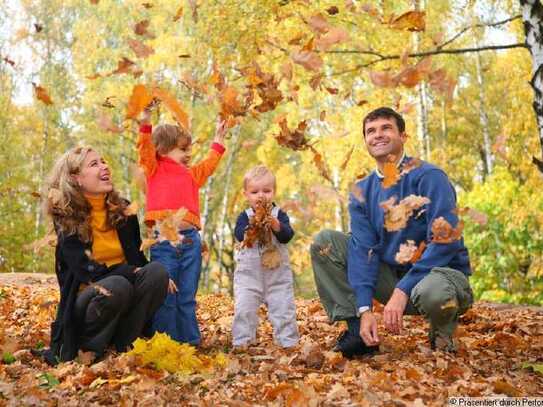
(108, 290)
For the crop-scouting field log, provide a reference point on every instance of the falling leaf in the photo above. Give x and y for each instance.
(315, 81)
(49, 240)
(319, 24)
(139, 99)
(125, 65)
(391, 174)
(410, 21)
(383, 79)
(140, 49)
(332, 37)
(147, 5)
(9, 61)
(308, 59)
(141, 28)
(286, 71)
(105, 123)
(178, 14)
(173, 106)
(294, 139)
(409, 252)
(443, 232)
(321, 165)
(397, 216)
(333, 10)
(346, 160)
(131, 209)
(38, 27)
(41, 94)
(371, 10)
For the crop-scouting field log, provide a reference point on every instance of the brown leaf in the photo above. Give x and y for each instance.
(409, 252)
(141, 28)
(397, 216)
(383, 79)
(147, 5)
(139, 99)
(9, 61)
(308, 59)
(332, 37)
(286, 71)
(443, 232)
(295, 139)
(333, 10)
(321, 165)
(173, 106)
(140, 49)
(315, 81)
(41, 94)
(319, 23)
(410, 21)
(105, 123)
(125, 65)
(503, 387)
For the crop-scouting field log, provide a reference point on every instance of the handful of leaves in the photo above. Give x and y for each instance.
(259, 231)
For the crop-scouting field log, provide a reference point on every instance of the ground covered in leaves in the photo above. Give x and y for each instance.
(500, 352)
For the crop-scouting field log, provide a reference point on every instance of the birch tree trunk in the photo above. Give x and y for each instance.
(532, 16)
(483, 117)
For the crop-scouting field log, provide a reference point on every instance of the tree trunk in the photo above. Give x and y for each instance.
(483, 116)
(205, 217)
(532, 16)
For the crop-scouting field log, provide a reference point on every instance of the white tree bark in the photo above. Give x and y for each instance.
(483, 117)
(532, 16)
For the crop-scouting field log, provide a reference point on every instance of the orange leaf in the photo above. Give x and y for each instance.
(141, 27)
(173, 106)
(410, 21)
(383, 79)
(334, 36)
(321, 165)
(346, 159)
(391, 174)
(139, 99)
(178, 14)
(41, 94)
(443, 232)
(397, 216)
(319, 24)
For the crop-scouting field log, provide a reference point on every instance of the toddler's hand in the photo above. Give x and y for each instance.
(146, 115)
(172, 288)
(275, 225)
(220, 131)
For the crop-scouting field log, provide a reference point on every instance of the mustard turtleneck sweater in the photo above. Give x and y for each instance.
(106, 246)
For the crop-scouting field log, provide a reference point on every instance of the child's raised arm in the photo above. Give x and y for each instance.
(206, 167)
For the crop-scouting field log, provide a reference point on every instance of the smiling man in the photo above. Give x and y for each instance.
(353, 269)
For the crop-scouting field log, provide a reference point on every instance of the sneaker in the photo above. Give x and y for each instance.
(352, 345)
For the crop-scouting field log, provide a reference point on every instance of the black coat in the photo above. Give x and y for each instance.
(73, 267)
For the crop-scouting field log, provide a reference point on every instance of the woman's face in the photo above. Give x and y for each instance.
(94, 177)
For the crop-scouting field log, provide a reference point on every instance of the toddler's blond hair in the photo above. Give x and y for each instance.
(257, 172)
(166, 137)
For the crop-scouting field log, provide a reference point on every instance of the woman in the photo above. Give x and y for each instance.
(108, 290)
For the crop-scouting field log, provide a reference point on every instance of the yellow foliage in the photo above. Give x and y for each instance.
(167, 354)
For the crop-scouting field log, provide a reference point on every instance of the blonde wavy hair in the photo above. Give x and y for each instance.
(65, 202)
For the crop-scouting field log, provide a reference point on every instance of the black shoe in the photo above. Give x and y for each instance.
(352, 345)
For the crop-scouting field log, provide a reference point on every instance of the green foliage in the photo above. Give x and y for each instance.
(8, 358)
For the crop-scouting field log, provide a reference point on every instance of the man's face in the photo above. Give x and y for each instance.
(383, 138)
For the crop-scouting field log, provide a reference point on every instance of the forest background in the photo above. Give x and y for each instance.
(296, 70)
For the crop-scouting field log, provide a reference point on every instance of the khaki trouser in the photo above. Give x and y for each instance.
(441, 297)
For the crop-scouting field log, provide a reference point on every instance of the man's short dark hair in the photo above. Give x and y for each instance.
(384, 113)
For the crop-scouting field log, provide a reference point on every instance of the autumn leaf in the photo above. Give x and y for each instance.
(443, 232)
(346, 160)
(9, 61)
(178, 14)
(42, 94)
(138, 100)
(391, 174)
(271, 258)
(409, 252)
(333, 10)
(383, 79)
(357, 192)
(319, 24)
(321, 165)
(141, 28)
(295, 139)
(125, 66)
(140, 49)
(332, 37)
(173, 106)
(397, 216)
(194, 8)
(106, 124)
(308, 59)
(410, 21)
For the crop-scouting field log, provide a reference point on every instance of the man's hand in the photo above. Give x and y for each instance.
(393, 312)
(368, 329)
(220, 132)
(172, 288)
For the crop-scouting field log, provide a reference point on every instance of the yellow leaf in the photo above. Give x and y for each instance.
(178, 14)
(410, 21)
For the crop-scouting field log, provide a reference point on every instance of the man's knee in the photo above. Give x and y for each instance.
(321, 240)
(435, 296)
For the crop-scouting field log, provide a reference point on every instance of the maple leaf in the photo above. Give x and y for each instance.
(178, 14)
(319, 23)
(42, 94)
(295, 139)
(308, 59)
(105, 123)
(409, 252)
(410, 21)
(173, 106)
(443, 232)
(139, 99)
(391, 174)
(140, 49)
(334, 36)
(397, 216)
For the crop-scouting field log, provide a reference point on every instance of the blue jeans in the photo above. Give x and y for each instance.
(177, 316)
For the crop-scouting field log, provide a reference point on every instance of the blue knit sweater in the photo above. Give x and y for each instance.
(371, 244)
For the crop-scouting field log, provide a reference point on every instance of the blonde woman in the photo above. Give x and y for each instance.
(108, 290)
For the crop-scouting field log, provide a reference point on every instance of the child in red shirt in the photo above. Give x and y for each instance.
(164, 155)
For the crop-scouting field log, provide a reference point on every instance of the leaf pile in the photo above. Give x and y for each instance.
(500, 350)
